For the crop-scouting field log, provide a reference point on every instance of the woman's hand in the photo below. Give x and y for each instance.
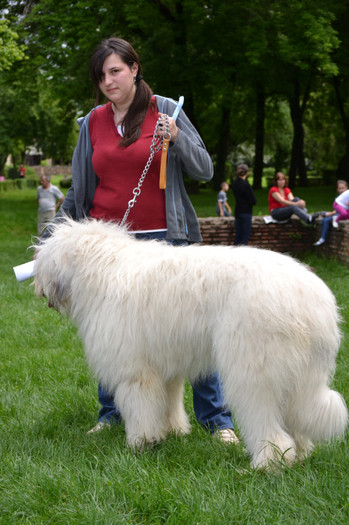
(172, 128)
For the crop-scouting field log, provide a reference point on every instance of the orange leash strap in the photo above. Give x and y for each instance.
(165, 145)
(163, 164)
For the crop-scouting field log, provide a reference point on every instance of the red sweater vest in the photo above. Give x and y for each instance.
(119, 169)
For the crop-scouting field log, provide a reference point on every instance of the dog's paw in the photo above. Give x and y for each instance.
(141, 444)
(273, 457)
(181, 429)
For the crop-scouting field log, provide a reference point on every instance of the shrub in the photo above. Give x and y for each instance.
(66, 182)
(12, 173)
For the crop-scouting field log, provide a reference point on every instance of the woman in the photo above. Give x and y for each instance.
(245, 199)
(282, 203)
(114, 156)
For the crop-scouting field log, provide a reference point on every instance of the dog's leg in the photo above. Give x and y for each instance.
(177, 418)
(267, 440)
(142, 401)
(259, 409)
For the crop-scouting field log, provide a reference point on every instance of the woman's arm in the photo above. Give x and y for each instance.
(287, 202)
(195, 160)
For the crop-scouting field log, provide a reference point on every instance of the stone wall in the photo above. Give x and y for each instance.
(293, 237)
(52, 170)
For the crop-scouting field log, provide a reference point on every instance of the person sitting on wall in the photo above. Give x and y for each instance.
(282, 203)
(341, 206)
(329, 216)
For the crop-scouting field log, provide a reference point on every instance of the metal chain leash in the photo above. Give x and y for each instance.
(156, 145)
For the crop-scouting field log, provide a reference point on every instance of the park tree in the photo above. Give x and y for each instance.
(306, 41)
(171, 37)
(234, 62)
(11, 50)
(288, 45)
(340, 86)
(38, 106)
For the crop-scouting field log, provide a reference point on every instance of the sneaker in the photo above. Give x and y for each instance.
(227, 435)
(100, 426)
(319, 242)
(316, 215)
(335, 222)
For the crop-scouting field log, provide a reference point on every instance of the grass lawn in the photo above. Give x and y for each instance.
(51, 472)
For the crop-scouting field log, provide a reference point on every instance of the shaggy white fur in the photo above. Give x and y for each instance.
(151, 315)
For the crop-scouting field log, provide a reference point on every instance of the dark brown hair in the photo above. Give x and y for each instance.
(241, 170)
(142, 100)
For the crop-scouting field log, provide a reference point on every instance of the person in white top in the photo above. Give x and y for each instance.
(49, 199)
(341, 205)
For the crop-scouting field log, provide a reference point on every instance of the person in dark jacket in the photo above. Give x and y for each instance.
(245, 200)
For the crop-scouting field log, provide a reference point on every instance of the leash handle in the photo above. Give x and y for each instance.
(165, 146)
(178, 108)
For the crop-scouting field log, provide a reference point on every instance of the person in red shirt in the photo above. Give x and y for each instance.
(282, 203)
(22, 171)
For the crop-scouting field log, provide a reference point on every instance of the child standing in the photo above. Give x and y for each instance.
(223, 208)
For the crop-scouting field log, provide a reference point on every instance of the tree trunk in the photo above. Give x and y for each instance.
(259, 144)
(2, 163)
(297, 165)
(343, 165)
(222, 146)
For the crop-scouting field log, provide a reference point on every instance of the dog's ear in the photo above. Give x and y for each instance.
(59, 292)
(54, 284)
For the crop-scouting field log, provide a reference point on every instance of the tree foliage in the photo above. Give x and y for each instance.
(10, 50)
(257, 75)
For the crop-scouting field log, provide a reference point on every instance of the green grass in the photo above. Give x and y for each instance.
(52, 473)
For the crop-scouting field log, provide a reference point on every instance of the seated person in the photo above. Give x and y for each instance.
(282, 203)
(329, 216)
(341, 206)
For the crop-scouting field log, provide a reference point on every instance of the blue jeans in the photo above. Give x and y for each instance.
(325, 226)
(208, 402)
(225, 211)
(243, 225)
(283, 214)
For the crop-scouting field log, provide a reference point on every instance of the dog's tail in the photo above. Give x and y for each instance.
(322, 416)
(329, 415)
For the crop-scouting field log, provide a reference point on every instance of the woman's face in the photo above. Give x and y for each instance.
(117, 82)
(281, 181)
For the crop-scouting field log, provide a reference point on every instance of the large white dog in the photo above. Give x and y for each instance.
(151, 315)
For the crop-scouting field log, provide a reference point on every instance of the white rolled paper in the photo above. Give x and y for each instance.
(24, 271)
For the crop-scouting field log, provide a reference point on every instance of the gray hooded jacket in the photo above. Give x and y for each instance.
(187, 154)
